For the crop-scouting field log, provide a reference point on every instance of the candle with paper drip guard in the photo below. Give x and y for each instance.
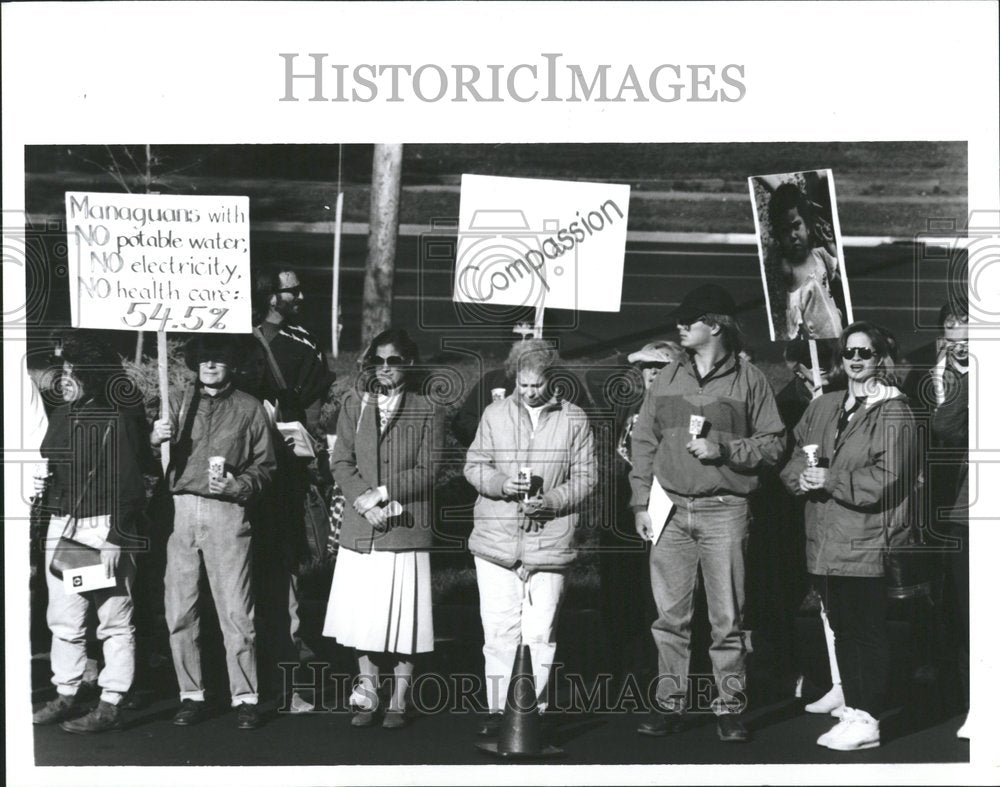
(524, 474)
(695, 425)
(216, 467)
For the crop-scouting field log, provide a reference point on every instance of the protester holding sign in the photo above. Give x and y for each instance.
(706, 428)
(96, 448)
(532, 463)
(220, 461)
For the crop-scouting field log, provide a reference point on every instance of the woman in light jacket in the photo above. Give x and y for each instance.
(859, 496)
(380, 600)
(523, 534)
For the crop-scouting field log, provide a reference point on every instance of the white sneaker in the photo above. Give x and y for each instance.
(846, 715)
(857, 730)
(965, 731)
(299, 705)
(832, 702)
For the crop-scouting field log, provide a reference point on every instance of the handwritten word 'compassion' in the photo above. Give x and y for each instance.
(476, 285)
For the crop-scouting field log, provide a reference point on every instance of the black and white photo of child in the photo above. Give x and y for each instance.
(801, 257)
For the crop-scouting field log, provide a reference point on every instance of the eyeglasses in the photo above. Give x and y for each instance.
(864, 353)
(392, 360)
(295, 291)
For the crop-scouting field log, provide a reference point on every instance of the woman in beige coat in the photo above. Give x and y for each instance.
(532, 463)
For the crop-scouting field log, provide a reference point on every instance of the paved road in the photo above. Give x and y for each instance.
(783, 734)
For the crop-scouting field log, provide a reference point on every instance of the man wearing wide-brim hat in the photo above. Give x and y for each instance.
(708, 465)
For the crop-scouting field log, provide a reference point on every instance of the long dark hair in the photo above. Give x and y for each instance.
(97, 367)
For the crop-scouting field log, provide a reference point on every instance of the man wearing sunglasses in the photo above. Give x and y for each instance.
(707, 427)
(293, 376)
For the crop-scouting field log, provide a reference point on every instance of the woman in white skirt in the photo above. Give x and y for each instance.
(380, 601)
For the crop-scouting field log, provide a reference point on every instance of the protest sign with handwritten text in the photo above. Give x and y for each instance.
(530, 242)
(159, 262)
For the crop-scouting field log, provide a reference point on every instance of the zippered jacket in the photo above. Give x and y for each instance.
(231, 424)
(560, 451)
(871, 482)
(741, 415)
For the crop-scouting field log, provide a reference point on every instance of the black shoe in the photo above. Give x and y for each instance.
(103, 718)
(363, 718)
(490, 727)
(248, 717)
(731, 728)
(192, 712)
(62, 708)
(659, 723)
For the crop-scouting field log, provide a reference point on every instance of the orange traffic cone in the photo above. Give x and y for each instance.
(521, 729)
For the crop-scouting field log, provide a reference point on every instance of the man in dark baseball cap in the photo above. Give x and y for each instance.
(707, 299)
(707, 426)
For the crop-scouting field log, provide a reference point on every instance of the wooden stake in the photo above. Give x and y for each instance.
(387, 167)
(335, 292)
(817, 376)
(138, 347)
(161, 364)
(539, 317)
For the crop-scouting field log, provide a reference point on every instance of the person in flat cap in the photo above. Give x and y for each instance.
(706, 428)
(626, 598)
(221, 458)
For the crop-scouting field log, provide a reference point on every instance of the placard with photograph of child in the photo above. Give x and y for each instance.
(801, 256)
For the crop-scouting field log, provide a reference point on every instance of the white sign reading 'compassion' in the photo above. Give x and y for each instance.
(159, 262)
(526, 242)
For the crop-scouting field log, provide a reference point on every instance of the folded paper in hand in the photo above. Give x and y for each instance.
(302, 443)
(660, 507)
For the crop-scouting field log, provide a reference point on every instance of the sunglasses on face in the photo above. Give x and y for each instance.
(864, 353)
(392, 360)
(295, 292)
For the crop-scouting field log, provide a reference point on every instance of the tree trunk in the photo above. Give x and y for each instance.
(383, 228)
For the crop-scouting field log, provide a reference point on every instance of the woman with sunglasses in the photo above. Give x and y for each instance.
(858, 490)
(388, 436)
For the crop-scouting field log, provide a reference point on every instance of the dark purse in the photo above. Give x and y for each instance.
(909, 567)
(70, 554)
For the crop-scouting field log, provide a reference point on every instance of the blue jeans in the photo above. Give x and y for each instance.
(215, 533)
(710, 532)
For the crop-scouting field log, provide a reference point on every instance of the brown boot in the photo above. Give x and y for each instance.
(101, 719)
(63, 707)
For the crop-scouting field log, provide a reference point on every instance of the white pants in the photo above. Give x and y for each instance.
(67, 616)
(516, 611)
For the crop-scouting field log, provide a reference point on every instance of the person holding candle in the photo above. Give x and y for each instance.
(859, 495)
(706, 428)
(221, 459)
(532, 465)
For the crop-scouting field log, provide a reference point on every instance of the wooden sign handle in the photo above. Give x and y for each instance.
(817, 376)
(161, 367)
